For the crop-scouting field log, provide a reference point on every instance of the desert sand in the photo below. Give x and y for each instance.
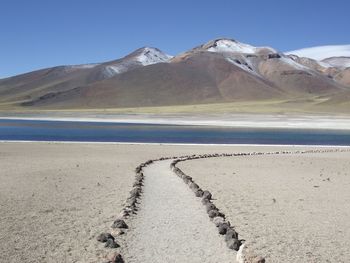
(56, 198)
(290, 208)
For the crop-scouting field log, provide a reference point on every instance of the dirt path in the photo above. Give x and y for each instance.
(172, 225)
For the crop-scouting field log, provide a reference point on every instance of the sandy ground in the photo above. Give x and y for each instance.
(56, 198)
(290, 208)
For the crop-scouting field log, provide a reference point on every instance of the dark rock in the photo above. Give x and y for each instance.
(275, 55)
(259, 260)
(119, 223)
(231, 234)
(135, 192)
(207, 195)
(205, 201)
(110, 243)
(213, 213)
(223, 227)
(137, 184)
(104, 237)
(127, 210)
(115, 258)
(220, 214)
(199, 192)
(187, 179)
(124, 213)
(218, 220)
(251, 56)
(139, 177)
(234, 244)
(210, 206)
(194, 186)
(131, 201)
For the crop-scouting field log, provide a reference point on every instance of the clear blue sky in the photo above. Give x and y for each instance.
(41, 33)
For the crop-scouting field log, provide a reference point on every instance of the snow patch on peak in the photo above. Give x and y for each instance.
(297, 66)
(84, 66)
(246, 66)
(113, 70)
(151, 56)
(139, 58)
(232, 46)
(227, 45)
(322, 52)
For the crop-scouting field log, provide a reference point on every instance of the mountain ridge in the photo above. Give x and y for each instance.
(219, 71)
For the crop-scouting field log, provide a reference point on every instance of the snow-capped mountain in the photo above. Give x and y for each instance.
(243, 56)
(322, 52)
(248, 58)
(219, 71)
(228, 46)
(142, 57)
(233, 46)
(149, 56)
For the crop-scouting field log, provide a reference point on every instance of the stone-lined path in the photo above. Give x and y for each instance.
(172, 224)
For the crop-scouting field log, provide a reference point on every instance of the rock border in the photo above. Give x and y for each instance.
(215, 215)
(120, 226)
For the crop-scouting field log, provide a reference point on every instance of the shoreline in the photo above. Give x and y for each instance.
(306, 122)
(178, 144)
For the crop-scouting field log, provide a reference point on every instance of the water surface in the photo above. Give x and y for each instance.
(33, 130)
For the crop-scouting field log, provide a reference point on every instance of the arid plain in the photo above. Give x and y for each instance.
(56, 198)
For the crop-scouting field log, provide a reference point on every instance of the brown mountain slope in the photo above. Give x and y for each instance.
(220, 71)
(202, 78)
(44, 83)
(296, 79)
(38, 83)
(343, 77)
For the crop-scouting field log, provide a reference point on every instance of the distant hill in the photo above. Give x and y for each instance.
(220, 71)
